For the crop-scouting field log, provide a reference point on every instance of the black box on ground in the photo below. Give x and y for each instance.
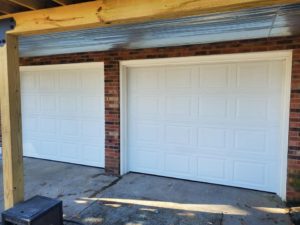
(38, 210)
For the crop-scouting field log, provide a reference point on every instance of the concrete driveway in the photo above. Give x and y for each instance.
(136, 199)
(143, 200)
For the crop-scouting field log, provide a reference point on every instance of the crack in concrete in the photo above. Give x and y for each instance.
(95, 194)
(105, 187)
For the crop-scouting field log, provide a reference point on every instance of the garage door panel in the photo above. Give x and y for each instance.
(69, 150)
(48, 103)
(206, 171)
(173, 160)
(257, 177)
(63, 116)
(213, 107)
(251, 108)
(31, 148)
(47, 81)
(69, 105)
(178, 106)
(250, 140)
(68, 80)
(176, 134)
(216, 123)
(88, 153)
(90, 105)
(29, 82)
(253, 75)
(90, 129)
(214, 76)
(49, 126)
(47, 149)
(30, 124)
(178, 78)
(147, 106)
(146, 160)
(30, 104)
(146, 79)
(276, 70)
(212, 138)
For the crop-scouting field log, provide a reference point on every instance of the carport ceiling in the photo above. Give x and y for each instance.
(15, 6)
(264, 22)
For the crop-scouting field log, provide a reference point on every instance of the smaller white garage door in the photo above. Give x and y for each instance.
(215, 122)
(63, 113)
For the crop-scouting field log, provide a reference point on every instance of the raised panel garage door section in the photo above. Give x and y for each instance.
(63, 113)
(212, 122)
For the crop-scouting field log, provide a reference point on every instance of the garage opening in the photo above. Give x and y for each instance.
(63, 112)
(216, 119)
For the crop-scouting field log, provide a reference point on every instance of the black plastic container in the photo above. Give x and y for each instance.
(38, 210)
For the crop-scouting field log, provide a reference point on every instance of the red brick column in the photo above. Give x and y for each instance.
(293, 188)
(112, 116)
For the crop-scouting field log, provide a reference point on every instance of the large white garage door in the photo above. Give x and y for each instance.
(63, 113)
(214, 122)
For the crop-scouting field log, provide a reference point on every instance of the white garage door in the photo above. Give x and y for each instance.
(63, 113)
(213, 122)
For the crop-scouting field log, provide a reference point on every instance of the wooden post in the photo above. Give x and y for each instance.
(13, 179)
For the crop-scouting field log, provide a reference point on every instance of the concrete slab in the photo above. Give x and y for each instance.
(144, 200)
(136, 199)
(67, 182)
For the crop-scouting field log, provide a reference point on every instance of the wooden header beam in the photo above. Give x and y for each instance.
(104, 13)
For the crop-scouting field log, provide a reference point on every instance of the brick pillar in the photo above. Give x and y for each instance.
(293, 187)
(112, 116)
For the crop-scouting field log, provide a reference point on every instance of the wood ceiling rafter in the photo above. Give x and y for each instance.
(64, 2)
(16, 6)
(29, 4)
(6, 7)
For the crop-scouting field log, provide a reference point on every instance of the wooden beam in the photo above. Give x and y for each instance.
(106, 13)
(13, 180)
(29, 4)
(63, 2)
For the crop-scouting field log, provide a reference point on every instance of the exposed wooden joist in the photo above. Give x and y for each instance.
(3, 12)
(104, 13)
(11, 122)
(63, 2)
(6, 7)
(30, 4)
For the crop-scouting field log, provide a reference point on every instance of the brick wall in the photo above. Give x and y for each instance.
(112, 98)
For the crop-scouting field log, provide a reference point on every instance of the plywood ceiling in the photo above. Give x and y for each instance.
(15, 6)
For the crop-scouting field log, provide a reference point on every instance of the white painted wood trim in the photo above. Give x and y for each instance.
(226, 58)
(63, 66)
(285, 125)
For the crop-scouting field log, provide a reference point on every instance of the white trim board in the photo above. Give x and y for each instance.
(63, 66)
(239, 57)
